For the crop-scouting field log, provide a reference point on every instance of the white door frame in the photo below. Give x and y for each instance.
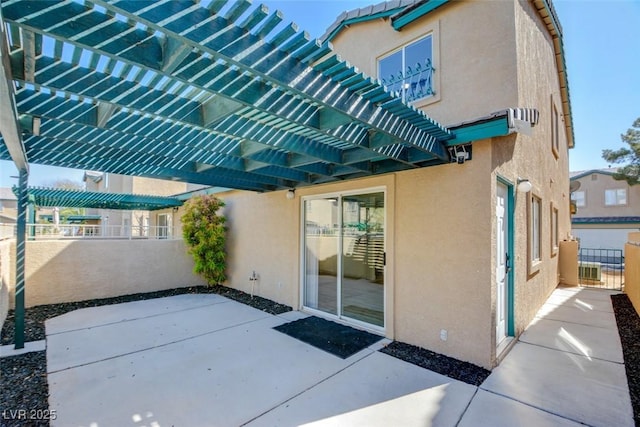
(342, 319)
(503, 262)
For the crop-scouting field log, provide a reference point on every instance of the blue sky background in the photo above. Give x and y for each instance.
(603, 62)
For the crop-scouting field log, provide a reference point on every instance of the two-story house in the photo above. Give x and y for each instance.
(442, 231)
(607, 210)
(457, 257)
(122, 223)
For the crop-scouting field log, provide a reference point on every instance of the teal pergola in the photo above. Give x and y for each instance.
(55, 197)
(215, 92)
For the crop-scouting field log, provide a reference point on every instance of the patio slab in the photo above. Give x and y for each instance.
(86, 318)
(587, 390)
(578, 313)
(583, 340)
(205, 360)
(594, 299)
(224, 377)
(84, 346)
(491, 410)
(379, 390)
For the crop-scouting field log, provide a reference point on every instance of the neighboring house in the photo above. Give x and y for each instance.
(453, 257)
(120, 223)
(8, 206)
(607, 209)
(8, 212)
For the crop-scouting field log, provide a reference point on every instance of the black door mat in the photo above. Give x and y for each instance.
(339, 340)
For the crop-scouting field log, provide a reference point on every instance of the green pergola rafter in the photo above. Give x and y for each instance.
(56, 197)
(216, 93)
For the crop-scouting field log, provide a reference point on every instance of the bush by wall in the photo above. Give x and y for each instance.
(203, 230)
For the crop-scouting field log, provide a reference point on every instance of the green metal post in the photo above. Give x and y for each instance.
(20, 257)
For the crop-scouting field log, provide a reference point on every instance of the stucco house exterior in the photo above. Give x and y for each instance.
(452, 258)
(119, 222)
(607, 209)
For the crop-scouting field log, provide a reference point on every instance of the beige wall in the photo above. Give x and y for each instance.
(5, 275)
(474, 59)
(434, 215)
(594, 186)
(64, 271)
(632, 269)
(440, 236)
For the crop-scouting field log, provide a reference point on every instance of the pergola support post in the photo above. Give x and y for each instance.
(23, 201)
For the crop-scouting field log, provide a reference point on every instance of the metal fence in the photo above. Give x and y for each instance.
(601, 268)
(83, 231)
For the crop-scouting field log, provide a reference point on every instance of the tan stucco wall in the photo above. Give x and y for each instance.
(63, 271)
(594, 197)
(5, 275)
(434, 215)
(632, 269)
(533, 158)
(476, 63)
(443, 258)
(157, 187)
(263, 237)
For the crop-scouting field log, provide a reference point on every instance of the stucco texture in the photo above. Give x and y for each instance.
(440, 229)
(62, 271)
(5, 277)
(632, 269)
(474, 56)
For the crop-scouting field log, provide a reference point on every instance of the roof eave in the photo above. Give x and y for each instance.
(550, 18)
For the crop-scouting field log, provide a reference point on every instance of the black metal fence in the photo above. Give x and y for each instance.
(601, 268)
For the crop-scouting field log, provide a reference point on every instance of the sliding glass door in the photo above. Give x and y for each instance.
(344, 256)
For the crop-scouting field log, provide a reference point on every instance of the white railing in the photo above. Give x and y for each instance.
(78, 231)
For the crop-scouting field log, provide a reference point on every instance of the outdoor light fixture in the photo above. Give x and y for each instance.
(291, 194)
(524, 185)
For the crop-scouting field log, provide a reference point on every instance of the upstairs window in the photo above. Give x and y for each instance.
(579, 198)
(408, 72)
(615, 197)
(555, 130)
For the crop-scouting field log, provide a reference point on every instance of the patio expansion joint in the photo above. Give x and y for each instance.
(307, 389)
(466, 408)
(159, 345)
(575, 323)
(138, 318)
(571, 352)
(562, 304)
(533, 406)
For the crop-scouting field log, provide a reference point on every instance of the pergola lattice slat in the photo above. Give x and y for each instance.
(212, 93)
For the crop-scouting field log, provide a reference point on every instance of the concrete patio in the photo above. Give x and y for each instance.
(204, 360)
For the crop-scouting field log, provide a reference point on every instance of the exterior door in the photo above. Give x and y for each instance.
(344, 256)
(502, 262)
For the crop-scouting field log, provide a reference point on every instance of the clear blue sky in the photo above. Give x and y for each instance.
(603, 62)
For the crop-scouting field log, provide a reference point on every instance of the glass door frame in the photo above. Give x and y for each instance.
(339, 195)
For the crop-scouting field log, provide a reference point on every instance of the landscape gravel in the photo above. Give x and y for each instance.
(629, 330)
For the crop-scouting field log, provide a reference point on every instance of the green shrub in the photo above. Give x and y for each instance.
(204, 231)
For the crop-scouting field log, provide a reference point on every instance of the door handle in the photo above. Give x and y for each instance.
(507, 263)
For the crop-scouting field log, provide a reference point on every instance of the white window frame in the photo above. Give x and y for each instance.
(620, 197)
(165, 231)
(580, 202)
(432, 30)
(555, 130)
(534, 233)
(555, 230)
